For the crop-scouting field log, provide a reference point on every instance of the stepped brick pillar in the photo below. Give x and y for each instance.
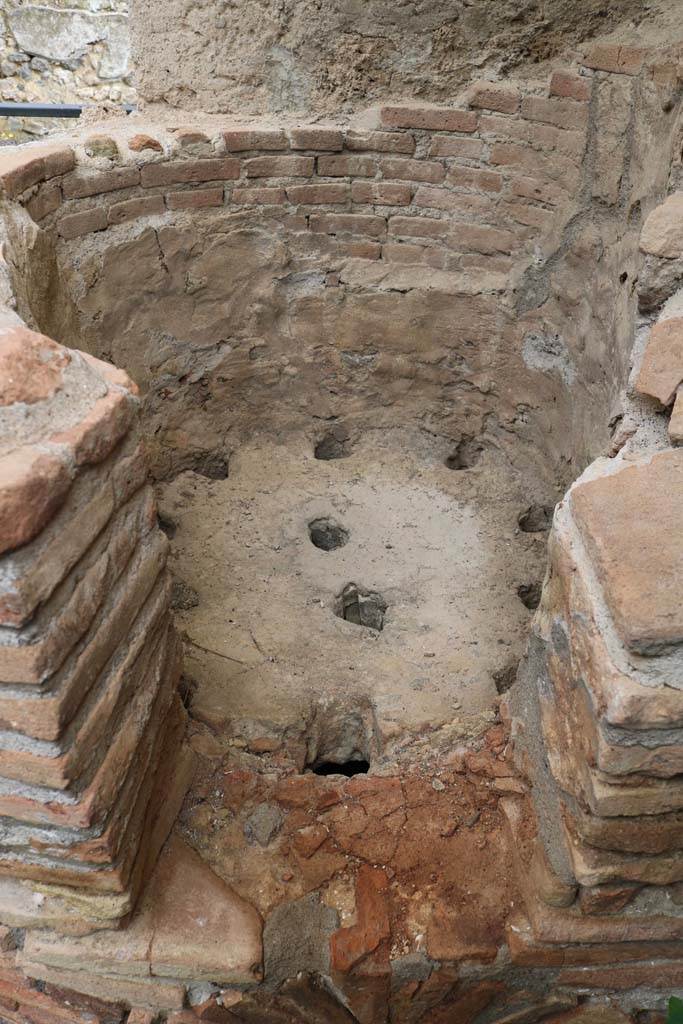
(92, 763)
(599, 712)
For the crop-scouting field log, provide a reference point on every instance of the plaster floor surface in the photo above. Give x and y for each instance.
(267, 655)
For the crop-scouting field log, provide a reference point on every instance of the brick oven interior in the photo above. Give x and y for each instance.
(363, 700)
(275, 397)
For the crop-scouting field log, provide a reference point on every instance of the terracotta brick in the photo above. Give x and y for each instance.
(318, 194)
(635, 555)
(659, 976)
(561, 113)
(347, 166)
(453, 145)
(182, 171)
(381, 142)
(472, 238)
(47, 199)
(280, 166)
(431, 118)
(363, 250)
(619, 60)
(139, 143)
(528, 161)
(550, 140)
(573, 87)
(245, 139)
(530, 215)
(80, 186)
(493, 96)
(33, 485)
(381, 193)
(25, 166)
(316, 138)
(195, 199)
(349, 945)
(444, 199)
(94, 437)
(76, 224)
(407, 253)
(418, 227)
(412, 170)
(348, 223)
(258, 196)
(542, 191)
(471, 178)
(130, 209)
(661, 370)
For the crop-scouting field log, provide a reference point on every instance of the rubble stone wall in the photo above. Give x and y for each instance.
(64, 51)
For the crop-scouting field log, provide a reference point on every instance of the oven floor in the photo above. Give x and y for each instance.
(256, 598)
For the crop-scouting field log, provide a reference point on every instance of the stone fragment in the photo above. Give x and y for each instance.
(296, 938)
(263, 824)
(64, 35)
(102, 146)
(661, 370)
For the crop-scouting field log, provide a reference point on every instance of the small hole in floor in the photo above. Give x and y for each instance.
(212, 465)
(361, 607)
(327, 535)
(334, 445)
(347, 768)
(623, 278)
(530, 595)
(466, 455)
(166, 525)
(536, 519)
(505, 678)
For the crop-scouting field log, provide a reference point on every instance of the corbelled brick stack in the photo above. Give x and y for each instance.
(606, 667)
(89, 661)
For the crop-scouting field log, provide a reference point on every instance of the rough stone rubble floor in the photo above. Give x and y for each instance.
(264, 650)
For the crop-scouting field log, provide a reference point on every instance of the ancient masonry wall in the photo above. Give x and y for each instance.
(413, 198)
(89, 659)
